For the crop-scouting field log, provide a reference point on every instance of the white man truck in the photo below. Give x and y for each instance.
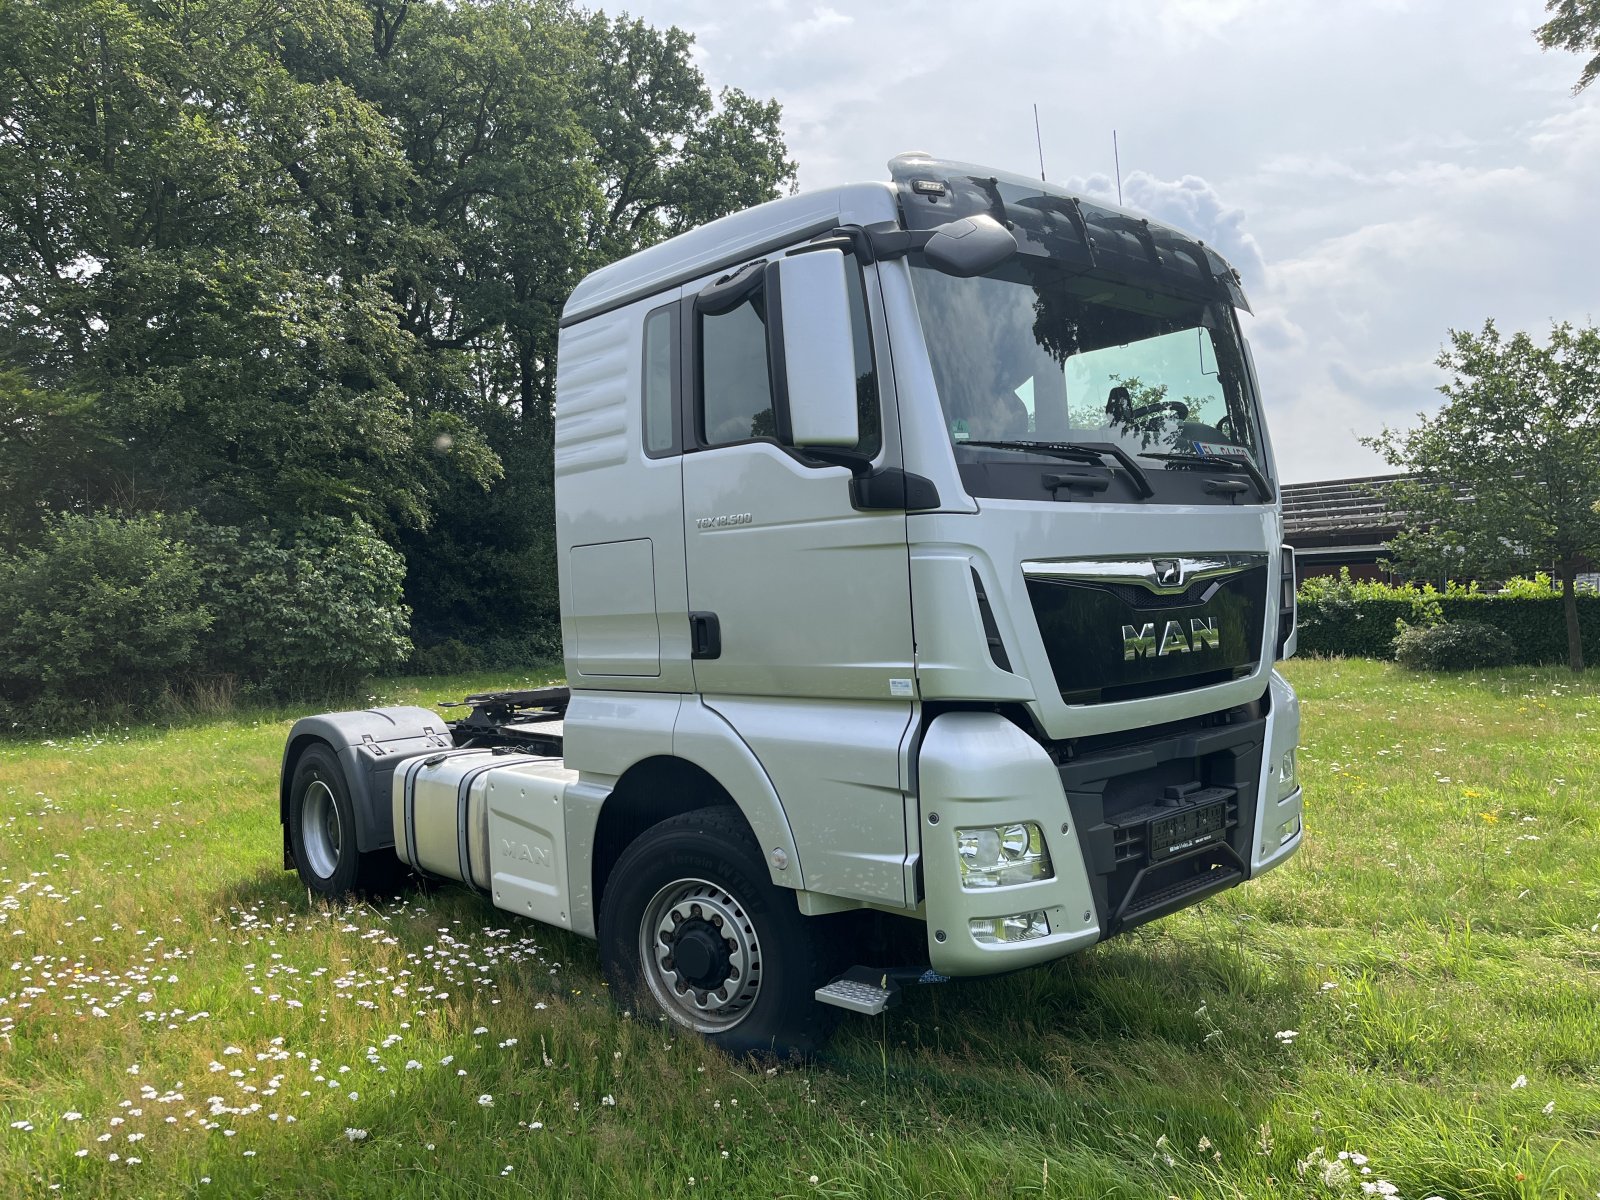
(920, 557)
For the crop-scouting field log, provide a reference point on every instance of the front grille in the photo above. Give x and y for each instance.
(1109, 641)
(1142, 599)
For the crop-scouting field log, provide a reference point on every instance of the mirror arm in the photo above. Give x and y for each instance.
(848, 239)
(727, 292)
(834, 456)
(886, 489)
(897, 243)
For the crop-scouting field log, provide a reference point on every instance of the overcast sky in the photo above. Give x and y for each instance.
(1380, 171)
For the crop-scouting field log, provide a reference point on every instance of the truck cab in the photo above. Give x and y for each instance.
(920, 557)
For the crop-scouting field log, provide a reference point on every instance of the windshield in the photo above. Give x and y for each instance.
(1032, 353)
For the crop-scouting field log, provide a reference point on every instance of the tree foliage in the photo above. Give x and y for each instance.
(1506, 475)
(1574, 25)
(272, 261)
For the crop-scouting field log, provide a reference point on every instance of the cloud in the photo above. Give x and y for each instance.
(822, 20)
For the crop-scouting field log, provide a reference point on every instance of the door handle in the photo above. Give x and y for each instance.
(705, 635)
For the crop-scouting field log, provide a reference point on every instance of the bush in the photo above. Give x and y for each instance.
(1454, 646)
(310, 611)
(107, 608)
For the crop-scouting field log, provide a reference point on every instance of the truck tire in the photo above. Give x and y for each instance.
(322, 832)
(691, 922)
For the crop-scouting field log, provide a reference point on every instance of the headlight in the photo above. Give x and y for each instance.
(998, 855)
(1288, 774)
(1020, 927)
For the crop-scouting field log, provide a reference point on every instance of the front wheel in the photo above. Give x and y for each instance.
(322, 832)
(691, 920)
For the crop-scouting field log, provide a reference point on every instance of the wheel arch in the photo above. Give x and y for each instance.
(651, 791)
(367, 745)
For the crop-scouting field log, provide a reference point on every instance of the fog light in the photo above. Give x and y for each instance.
(1288, 830)
(998, 855)
(1288, 774)
(1019, 927)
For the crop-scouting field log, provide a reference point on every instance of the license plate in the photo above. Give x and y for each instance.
(1188, 830)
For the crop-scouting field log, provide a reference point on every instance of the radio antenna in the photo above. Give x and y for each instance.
(1116, 158)
(1038, 141)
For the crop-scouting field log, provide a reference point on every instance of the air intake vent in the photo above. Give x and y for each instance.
(991, 631)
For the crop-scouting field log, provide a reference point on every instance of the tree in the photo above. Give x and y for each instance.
(1507, 473)
(274, 262)
(1574, 25)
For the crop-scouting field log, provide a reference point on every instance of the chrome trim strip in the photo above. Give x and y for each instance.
(1145, 572)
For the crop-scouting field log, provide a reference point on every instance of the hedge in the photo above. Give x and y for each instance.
(1355, 618)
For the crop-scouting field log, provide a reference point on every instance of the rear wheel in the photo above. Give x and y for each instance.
(322, 832)
(691, 922)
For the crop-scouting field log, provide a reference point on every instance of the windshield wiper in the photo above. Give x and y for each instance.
(1219, 463)
(1079, 452)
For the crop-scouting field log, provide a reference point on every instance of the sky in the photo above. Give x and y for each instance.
(1380, 171)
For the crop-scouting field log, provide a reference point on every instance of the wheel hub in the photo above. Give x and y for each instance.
(321, 832)
(700, 955)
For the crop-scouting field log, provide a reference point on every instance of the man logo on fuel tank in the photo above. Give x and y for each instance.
(1140, 641)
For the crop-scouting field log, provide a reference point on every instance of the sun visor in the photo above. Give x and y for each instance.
(1080, 233)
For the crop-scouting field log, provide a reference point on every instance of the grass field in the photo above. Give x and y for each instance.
(1410, 1007)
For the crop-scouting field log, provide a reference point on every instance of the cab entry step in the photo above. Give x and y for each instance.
(861, 989)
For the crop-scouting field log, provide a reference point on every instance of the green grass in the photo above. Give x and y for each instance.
(1433, 946)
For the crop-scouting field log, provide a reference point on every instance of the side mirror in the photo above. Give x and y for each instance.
(808, 307)
(969, 246)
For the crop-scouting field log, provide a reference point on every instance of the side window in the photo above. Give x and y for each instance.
(660, 367)
(736, 394)
(735, 387)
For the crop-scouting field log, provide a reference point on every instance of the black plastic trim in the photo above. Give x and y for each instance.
(890, 489)
(991, 631)
(1114, 795)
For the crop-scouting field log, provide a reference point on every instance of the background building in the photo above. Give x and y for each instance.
(1339, 523)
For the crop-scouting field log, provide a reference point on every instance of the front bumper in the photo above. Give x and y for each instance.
(1110, 823)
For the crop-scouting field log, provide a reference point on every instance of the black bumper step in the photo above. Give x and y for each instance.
(1144, 906)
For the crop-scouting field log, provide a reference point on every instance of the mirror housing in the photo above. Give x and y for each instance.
(808, 308)
(969, 246)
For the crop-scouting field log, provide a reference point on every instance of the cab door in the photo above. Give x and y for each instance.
(799, 602)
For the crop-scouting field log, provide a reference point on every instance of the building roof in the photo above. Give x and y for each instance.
(1338, 511)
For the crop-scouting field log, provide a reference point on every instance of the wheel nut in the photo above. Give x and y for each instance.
(716, 919)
